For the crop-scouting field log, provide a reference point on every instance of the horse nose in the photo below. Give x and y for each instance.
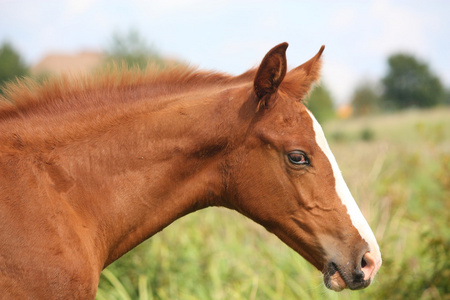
(368, 266)
(362, 277)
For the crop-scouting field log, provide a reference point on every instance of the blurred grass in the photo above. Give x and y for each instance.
(398, 169)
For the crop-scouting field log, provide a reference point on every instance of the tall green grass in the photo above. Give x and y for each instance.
(398, 168)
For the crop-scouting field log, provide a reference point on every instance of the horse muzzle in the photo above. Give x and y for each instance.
(338, 277)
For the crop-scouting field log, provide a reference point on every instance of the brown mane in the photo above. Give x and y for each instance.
(26, 95)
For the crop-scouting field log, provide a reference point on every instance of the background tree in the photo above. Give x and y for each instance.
(11, 64)
(447, 97)
(366, 99)
(320, 104)
(409, 82)
(133, 50)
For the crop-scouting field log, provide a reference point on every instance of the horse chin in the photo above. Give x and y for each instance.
(333, 279)
(335, 282)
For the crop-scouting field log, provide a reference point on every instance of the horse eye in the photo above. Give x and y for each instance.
(298, 158)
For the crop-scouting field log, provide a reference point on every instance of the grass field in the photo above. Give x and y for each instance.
(398, 169)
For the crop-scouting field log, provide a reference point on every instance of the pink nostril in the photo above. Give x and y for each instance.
(363, 263)
(368, 265)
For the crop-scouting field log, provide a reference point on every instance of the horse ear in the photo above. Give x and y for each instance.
(311, 65)
(271, 72)
(299, 80)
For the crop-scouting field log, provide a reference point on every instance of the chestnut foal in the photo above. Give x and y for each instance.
(90, 168)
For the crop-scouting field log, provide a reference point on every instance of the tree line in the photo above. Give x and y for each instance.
(409, 82)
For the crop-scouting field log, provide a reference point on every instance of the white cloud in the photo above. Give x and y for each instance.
(78, 6)
(344, 18)
(400, 28)
(163, 9)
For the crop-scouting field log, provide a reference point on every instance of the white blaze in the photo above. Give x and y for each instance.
(344, 194)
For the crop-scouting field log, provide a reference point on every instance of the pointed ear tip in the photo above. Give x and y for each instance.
(321, 49)
(282, 46)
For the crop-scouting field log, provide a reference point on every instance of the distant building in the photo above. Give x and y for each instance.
(345, 111)
(82, 62)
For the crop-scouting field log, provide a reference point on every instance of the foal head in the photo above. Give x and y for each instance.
(285, 177)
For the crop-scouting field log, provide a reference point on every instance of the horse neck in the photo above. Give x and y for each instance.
(146, 168)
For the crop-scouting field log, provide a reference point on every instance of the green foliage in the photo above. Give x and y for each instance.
(418, 185)
(367, 134)
(366, 99)
(408, 179)
(11, 64)
(132, 50)
(402, 183)
(320, 104)
(410, 83)
(446, 100)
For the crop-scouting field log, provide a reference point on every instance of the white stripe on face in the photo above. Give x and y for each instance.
(343, 192)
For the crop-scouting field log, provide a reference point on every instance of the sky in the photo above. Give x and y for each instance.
(233, 36)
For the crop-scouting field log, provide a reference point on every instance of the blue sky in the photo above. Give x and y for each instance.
(233, 36)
